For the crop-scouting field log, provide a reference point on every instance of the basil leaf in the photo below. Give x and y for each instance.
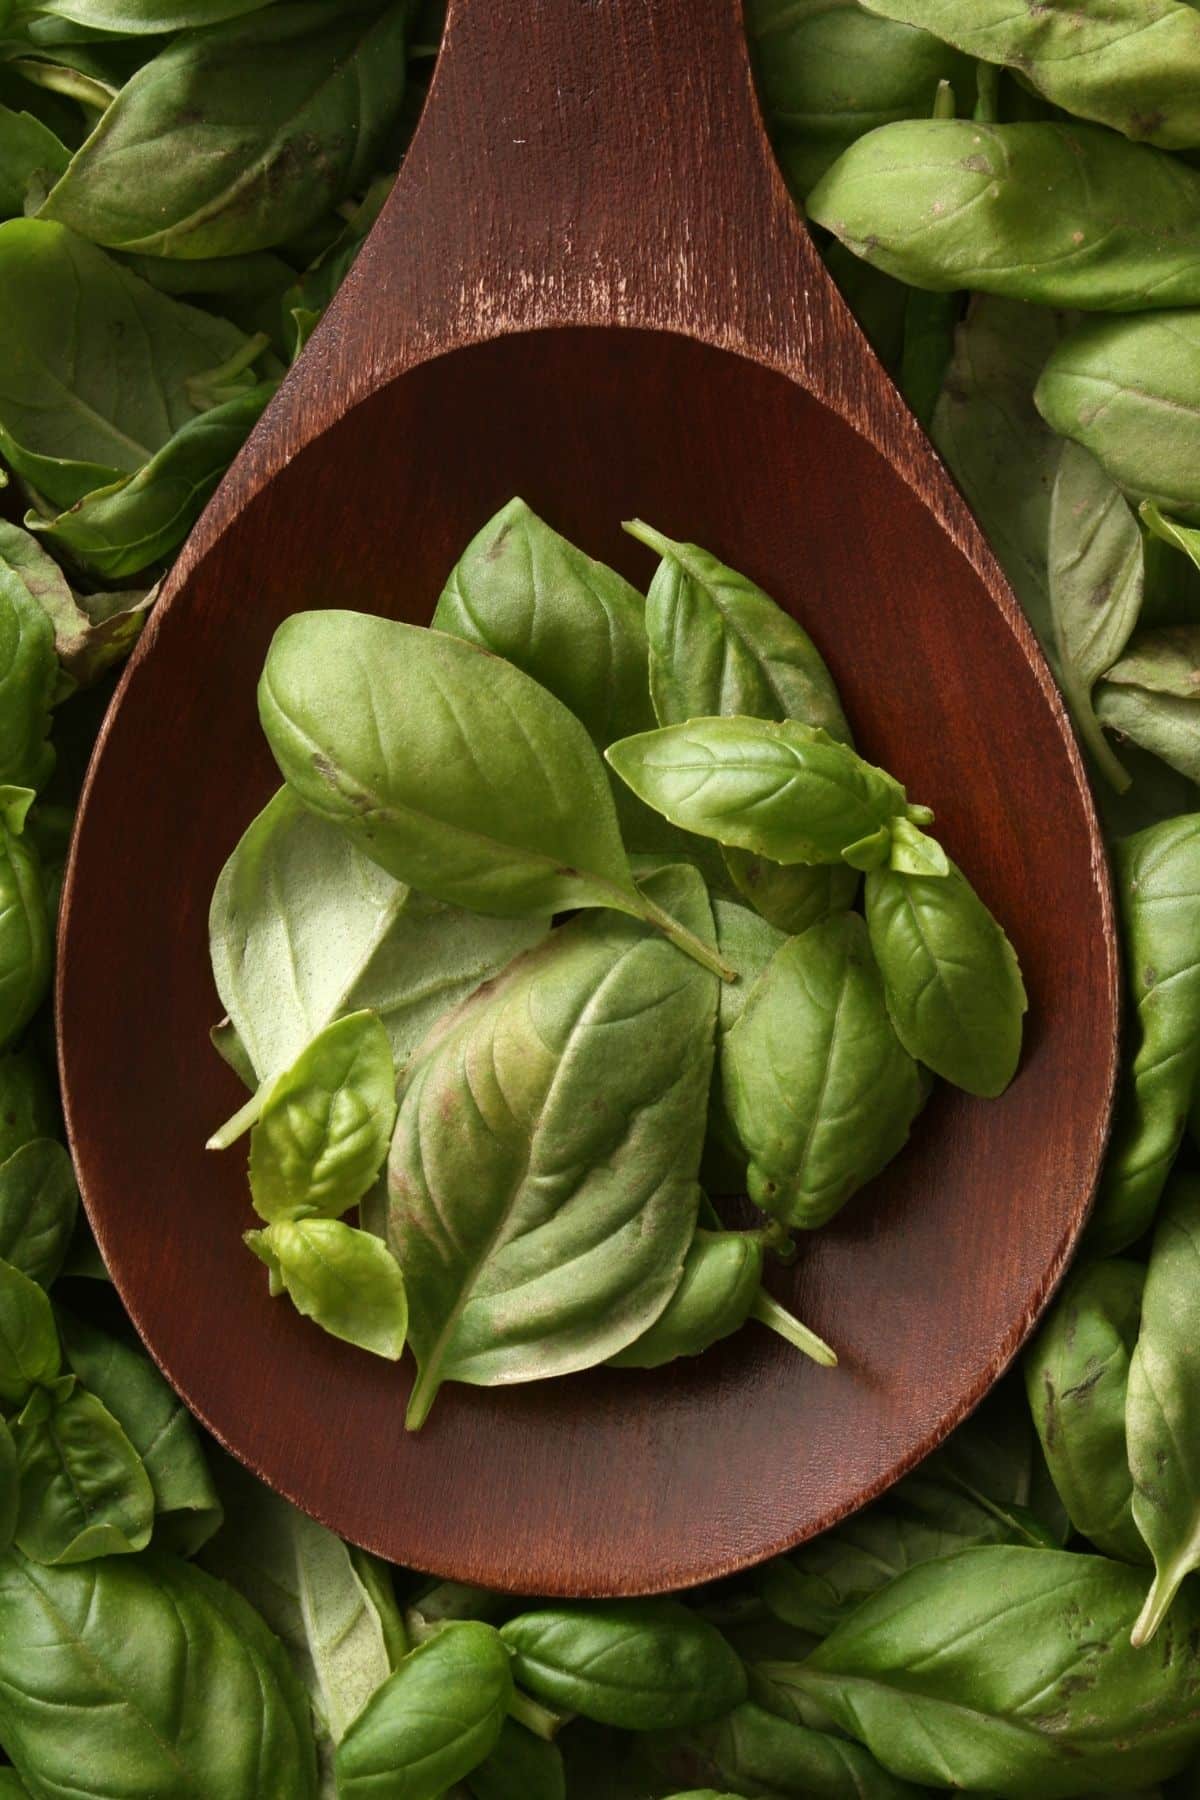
(722, 1274)
(776, 788)
(642, 1665)
(345, 1280)
(157, 1425)
(152, 17)
(521, 1767)
(1130, 65)
(296, 102)
(549, 1228)
(25, 950)
(1161, 1409)
(763, 1754)
(944, 204)
(792, 899)
(324, 1125)
(433, 1721)
(10, 1477)
(574, 625)
(39, 1204)
(29, 1352)
(90, 631)
(1009, 1670)
(294, 886)
(153, 1678)
(452, 769)
(1149, 696)
(1096, 589)
(817, 1084)
(1158, 893)
(951, 978)
(120, 529)
(94, 364)
(28, 674)
(27, 1104)
(84, 1492)
(720, 646)
(30, 155)
(331, 1605)
(1077, 1376)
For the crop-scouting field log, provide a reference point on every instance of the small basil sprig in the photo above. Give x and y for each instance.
(450, 768)
(779, 789)
(818, 1086)
(1162, 1413)
(1077, 1377)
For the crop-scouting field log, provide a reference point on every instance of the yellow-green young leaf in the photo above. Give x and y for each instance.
(777, 788)
(543, 1172)
(324, 1125)
(1077, 1377)
(950, 203)
(84, 1491)
(29, 1352)
(296, 101)
(1162, 1412)
(433, 1720)
(819, 1088)
(345, 1280)
(1131, 64)
(950, 976)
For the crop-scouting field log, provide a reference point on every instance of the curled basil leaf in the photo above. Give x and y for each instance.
(722, 1273)
(433, 1720)
(951, 978)
(1150, 695)
(643, 1665)
(547, 1231)
(817, 1084)
(1077, 1375)
(347, 1281)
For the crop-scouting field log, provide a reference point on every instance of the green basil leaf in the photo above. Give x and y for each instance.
(1133, 64)
(345, 1280)
(1150, 695)
(795, 898)
(778, 1759)
(159, 1427)
(574, 625)
(30, 156)
(325, 1123)
(25, 949)
(331, 1605)
(10, 1479)
(643, 1665)
(433, 1721)
(296, 102)
(27, 1104)
(84, 1492)
(118, 530)
(29, 1352)
(452, 769)
(153, 1678)
(1158, 893)
(1128, 389)
(817, 1084)
(1161, 1410)
(829, 72)
(94, 364)
(1096, 569)
(1163, 661)
(951, 978)
(722, 1274)
(39, 1204)
(549, 1229)
(720, 646)
(521, 1767)
(28, 675)
(91, 631)
(152, 17)
(296, 885)
(945, 204)
(776, 788)
(1077, 1376)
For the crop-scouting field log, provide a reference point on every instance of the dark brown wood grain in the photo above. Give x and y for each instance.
(591, 288)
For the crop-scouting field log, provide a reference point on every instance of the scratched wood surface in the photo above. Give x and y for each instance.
(590, 288)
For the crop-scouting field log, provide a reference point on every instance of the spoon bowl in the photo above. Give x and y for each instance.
(590, 288)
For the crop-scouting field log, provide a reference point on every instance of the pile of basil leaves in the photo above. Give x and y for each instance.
(167, 1626)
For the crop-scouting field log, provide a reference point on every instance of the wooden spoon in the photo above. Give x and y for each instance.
(591, 288)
